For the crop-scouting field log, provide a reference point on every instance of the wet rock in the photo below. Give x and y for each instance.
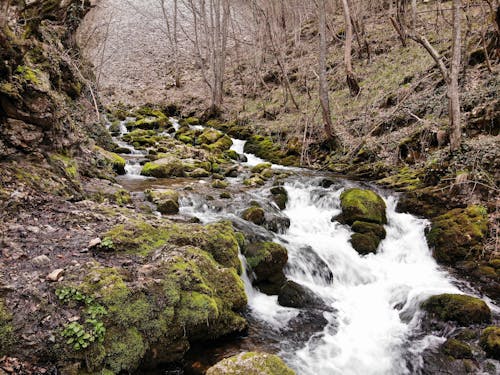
(219, 184)
(365, 243)
(317, 267)
(457, 349)
(55, 275)
(255, 215)
(251, 363)
(198, 173)
(232, 171)
(459, 308)
(458, 234)
(362, 205)
(326, 183)
(260, 167)
(295, 295)
(280, 196)
(434, 361)
(255, 180)
(209, 136)
(365, 228)
(490, 341)
(267, 260)
(167, 200)
(277, 223)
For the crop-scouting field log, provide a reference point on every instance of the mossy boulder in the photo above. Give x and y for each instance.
(166, 200)
(362, 205)
(260, 167)
(365, 243)
(295, 295)
(280, 196)
(219, 184)
(459, 308)
(223, 144)
(255, 180)
(209, 136)
(255, 215)
(267, 260)
(6, 329)
(198, 173)
(366, 228)
(456, 349)
(164, 167)
(458, 234)
(251, 363)
(490, 341)
(266, 148)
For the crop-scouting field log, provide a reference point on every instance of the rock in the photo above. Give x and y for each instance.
(251, 363)
(458, 234)
(362, 205)
(280, 196)
(277, 223)
(314, 264)
(254, 214)
(267, 260)
(295, 295)
(209, 136)
(364, 227)
(94, 242)
(165, 167)
(41, 260)
(167, 200)
(255, 180)
(219, 184)
(490, 341)
(6, 329)
(365, 243)
(260, 167)
(55, 275)
(199, 173)
(457, 349)
(326, 183)
(459, 308)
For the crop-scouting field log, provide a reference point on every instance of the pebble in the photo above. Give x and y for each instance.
(92, 243)
(41, 260)
(55, 275)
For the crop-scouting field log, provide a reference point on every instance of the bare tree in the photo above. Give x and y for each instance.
(323, 84)
(352, 82)
(173, 36)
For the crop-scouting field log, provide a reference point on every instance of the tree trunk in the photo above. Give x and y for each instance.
(350, 77)
(323, 85)
(453, 88)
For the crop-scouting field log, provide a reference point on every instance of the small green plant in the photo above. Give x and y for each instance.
(96, 311)
(68, 294)
(107, 244)
(80, 338)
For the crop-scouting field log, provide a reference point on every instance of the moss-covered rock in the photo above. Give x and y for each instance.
(209, 136)
(164, 167)
(255, 180)
(267, 260)
(251, 363)
(456, 349)
(364, 227)
(166, 200)
(254, 214)
(362, 205)
(260, 167)
(458, 234)
(295, 295)
(365, 243)
(280, 196)
(6, 330)
(490, 341)
(223, 144)
(219, 184)
(198, 173)
(460, 308)
(265, 148)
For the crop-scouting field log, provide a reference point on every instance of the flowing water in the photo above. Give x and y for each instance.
(373, 317)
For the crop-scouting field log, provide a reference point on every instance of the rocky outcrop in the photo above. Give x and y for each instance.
(251, 363)
(459, 308)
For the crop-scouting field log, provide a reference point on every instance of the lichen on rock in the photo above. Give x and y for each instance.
(251, 363)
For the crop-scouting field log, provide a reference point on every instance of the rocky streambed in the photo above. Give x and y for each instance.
(202, 250)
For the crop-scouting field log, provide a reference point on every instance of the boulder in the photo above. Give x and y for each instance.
(251, 363)
(459, 308)
(209, 136)
(267, 260)
(280, 196)
(365, 243)
(254, 214)
(166, 200)
(295, 295)
(164, 167)
(457, 349)
(490, 341)
(260, 167)
(365, 228)
(362, 205)
(458, 234)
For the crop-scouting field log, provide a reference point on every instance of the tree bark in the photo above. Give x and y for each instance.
(323, 85)
(352, 82)
(453, 88)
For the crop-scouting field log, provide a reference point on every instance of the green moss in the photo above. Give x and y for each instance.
(251, 363)
(260, 167)
(254, 214)
(165, 167)
(362, 205)
(28, 75)
(167, 200)
(456, 349)
(223, 144)
(67, 163)
(267, 259)
(364, 227)
(6, 330)
(406, 179)
(458, 234)
(463, 309)
(219, 184)
(192, 121)
(365, 243)
(265, 148)
(490, 341)
(209, 136)
(125, 349)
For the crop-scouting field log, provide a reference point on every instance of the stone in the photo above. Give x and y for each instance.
(41, 260)
(295, 295)
(460, 308)
(362, 205)
(94, 242)
(55, 275)
(490, 341)
(251, 363)
(254, 214)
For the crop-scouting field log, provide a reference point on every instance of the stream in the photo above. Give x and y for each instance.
(372, 324)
